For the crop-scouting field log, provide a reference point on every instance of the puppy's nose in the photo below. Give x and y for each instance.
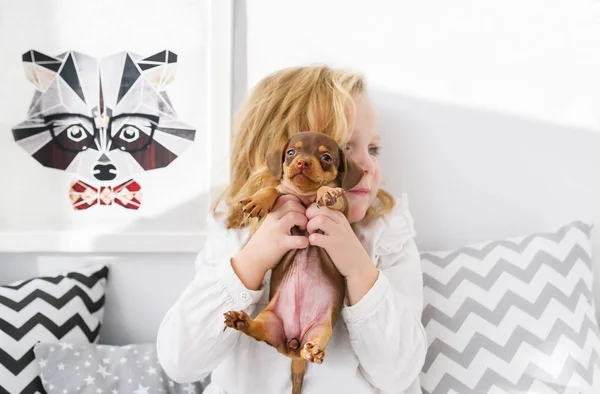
(303, 163)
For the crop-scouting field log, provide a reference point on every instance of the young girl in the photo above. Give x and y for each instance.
(378, 344)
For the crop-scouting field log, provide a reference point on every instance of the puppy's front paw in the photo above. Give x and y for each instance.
(236, 320)
(312, 352)
(255, 207)
(260, 203)
(328, 196)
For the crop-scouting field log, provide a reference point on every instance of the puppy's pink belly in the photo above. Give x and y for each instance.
(305, 295)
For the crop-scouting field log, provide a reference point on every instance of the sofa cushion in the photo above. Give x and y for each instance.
(107, 369)
(512, 315)
(66, 306)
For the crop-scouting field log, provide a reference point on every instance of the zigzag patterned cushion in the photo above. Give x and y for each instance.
(512, 316)
(66, 307)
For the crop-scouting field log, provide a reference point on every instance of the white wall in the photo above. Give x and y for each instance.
(535, 59)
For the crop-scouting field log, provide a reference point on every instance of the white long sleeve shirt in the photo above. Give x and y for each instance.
(378, 345)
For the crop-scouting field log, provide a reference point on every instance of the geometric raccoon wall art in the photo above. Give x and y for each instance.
(104, 120)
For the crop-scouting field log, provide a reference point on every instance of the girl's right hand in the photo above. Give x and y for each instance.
(271, 241)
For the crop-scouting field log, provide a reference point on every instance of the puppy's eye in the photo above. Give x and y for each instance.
(291, 152)
(327, 157)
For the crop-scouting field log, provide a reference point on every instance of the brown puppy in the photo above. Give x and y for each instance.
(306, 291)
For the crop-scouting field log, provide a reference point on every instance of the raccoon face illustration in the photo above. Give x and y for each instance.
(104, 120)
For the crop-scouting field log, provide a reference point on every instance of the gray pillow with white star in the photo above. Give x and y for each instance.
(102, 369)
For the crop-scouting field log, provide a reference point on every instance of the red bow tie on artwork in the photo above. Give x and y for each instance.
(127, 194)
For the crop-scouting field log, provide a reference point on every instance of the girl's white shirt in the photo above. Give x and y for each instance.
(378, 345)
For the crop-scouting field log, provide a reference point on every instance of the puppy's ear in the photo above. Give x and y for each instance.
(349, 172)
(275, 163)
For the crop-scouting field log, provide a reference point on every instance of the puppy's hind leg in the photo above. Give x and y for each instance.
(266, 327)
(316, 340)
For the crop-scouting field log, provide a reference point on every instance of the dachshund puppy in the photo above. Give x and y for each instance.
(306, 290)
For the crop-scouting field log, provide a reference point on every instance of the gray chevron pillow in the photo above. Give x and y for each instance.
(512, 316)
(65, 307)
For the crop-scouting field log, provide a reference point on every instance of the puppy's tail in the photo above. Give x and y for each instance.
(298, 369)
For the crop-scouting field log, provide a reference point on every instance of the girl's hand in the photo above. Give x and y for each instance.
(271, 241)
(339, 239)
(344, 248)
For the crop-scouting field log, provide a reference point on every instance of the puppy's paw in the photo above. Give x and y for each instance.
(236, 320)
(312, 352)
(255, 207)
(328, 196)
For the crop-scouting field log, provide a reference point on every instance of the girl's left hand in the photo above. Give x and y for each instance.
(339, 240)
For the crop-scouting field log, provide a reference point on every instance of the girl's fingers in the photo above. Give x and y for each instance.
(322, 222)
(317, 239)
(295, 242)
(294, 218)
(313, 211)
(285, 198)
(289, 205)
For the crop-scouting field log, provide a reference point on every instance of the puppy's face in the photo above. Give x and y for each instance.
(310, 160)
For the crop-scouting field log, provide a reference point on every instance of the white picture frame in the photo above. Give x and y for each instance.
(211, 156)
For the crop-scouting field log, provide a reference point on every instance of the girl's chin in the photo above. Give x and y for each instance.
(359, 205)
(355, 216)
(357, 211)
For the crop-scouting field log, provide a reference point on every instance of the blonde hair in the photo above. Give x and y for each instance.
(315, 98)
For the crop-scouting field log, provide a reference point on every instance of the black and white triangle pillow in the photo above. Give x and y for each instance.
(66, 307)
(513, 316)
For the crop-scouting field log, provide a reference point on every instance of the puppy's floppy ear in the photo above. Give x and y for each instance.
(275, 162)
(349, 172)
